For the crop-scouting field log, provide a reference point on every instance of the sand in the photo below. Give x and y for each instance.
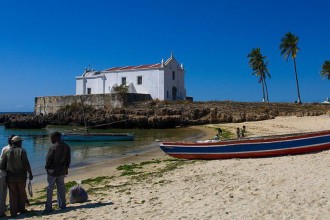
(288, 187)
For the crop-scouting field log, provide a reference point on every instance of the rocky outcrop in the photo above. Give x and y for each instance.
(26, 122)
(153, 114)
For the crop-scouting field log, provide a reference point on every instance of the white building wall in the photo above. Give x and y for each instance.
(96, 85)
(156, 82)
(178, 81)
(151, 81)
(79, 86)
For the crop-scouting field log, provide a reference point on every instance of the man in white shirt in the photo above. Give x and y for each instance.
(3, 183)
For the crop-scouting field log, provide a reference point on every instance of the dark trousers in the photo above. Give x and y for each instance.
(59, 181)
(17, 197)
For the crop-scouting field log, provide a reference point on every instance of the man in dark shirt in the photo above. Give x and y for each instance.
(57, 164)
(16, 163)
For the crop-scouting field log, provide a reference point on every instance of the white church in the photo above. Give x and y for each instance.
(163, 81)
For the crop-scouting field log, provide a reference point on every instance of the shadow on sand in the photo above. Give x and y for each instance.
(34, 213)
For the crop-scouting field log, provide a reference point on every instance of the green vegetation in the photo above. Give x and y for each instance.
(289, 47)
(40, 199)
(69, 185)
(131, 174)
(123, 89)
(325, 72)
(129, 169)
(226, 134)
(96, 180)
(259, 67)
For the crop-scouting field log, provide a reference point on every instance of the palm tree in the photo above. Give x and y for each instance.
(259, 67)
(325, 72)
(289, 47)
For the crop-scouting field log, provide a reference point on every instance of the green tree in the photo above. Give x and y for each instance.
(289, 47)
(122, 89)
(325, 72)
(259, 67)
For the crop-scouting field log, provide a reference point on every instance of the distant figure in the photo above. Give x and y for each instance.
(216, 137)
(17, 165)
(219, 131)
(57, 164)
(238, 132)
(3, 182)
(243, 131)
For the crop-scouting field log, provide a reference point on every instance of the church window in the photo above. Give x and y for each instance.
(123, 81)
(173, 75)
(139, 80)
(89, 91)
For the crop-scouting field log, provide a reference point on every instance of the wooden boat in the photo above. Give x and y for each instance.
(98, 136)
(267, 146)
(88, 136)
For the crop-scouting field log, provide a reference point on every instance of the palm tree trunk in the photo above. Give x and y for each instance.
(267, 99)
(295, 70)
(263, 89)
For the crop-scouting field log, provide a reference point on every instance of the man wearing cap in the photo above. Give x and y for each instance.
(57, 164)
(16, 163)
(3, 182)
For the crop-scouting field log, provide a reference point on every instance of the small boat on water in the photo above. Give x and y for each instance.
(98, 136)
(88, 136)
(267, 146)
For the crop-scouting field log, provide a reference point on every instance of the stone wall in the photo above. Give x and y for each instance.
(50, 104)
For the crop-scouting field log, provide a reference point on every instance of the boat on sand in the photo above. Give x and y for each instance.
(267, 146)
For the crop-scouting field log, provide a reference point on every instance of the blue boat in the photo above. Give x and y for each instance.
(98, 136)
(270, 146)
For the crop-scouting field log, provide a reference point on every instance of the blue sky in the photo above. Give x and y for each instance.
(45, 44)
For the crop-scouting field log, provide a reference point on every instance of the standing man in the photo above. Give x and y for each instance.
(3, 182)
(57, 164)
(16, 164)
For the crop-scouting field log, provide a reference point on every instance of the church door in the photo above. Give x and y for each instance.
(174, 90)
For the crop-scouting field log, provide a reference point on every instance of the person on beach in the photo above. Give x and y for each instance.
(16, 163)
(243, 131)
(219, 131)
(57, 164)
(238, 133)
(3, 182)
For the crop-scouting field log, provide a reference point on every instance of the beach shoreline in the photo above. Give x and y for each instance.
(266, 188)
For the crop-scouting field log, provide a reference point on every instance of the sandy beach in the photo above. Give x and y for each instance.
(161, 187)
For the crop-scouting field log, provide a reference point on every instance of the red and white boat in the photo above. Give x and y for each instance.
(267, 146)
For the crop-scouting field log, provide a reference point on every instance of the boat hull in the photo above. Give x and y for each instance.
(250, 148)
(98, 137)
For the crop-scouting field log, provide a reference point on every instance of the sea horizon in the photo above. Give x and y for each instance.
(7, 113)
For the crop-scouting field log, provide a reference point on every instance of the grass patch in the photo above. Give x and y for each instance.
(69, 185)
(150, 162)
(96, 180)
(129, 169)
(226, 134)
(99, 185)
(171, 164)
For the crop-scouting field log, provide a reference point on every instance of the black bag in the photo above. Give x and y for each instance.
(78, 194)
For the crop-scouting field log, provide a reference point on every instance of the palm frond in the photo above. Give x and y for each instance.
(325, 71)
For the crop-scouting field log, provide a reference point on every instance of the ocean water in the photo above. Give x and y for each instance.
(36, 143)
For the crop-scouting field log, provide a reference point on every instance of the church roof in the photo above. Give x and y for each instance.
(139, 67)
